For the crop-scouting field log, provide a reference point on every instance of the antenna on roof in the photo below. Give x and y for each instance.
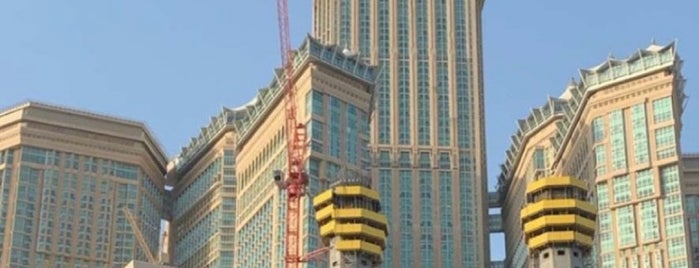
(652, 41)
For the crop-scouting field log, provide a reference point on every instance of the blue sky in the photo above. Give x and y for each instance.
(174, 64)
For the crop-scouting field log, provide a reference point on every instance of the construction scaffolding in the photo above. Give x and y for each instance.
(350, 221)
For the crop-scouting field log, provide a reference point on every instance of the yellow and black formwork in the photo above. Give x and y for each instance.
(351, 223)
(558, 222)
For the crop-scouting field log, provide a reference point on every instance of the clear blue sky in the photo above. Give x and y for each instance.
(174, 64)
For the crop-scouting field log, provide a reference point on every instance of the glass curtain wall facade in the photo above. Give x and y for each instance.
(427, 135)
(65, 184)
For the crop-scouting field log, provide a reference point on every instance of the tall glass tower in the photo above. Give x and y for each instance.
(427, 136)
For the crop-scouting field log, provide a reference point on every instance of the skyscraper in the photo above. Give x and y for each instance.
(202, 201)
(334, 92)
(228, 210)
(427, 137)
(67, 177)
(618, 129)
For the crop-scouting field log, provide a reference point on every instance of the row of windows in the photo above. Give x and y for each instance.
(445, 193)
(7, 156)
(644, 184)
(625, 223)
(256, 235)
(346, 129)
(424, 160)
(75, 193)
(196, 190)
(250, 173)
(73, 161)
(664, 136)
(383, 85)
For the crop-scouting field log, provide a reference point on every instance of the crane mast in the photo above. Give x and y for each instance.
(139, 236)
(296, 179)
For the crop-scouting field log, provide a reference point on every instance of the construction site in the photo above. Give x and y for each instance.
(301, 196)
(276, 173)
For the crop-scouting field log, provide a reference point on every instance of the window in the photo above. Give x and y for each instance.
(404, 102)
(444, 161)
(334, 129)
(539, 159)
(662, 110)
(406, 212)
(649, 221)
(665, 142)
(622, 189)
(670, 179)
(600, 160)
(673, 205)
(644, 183)
(625, 226)
(423, 103)
(640, 134)
(425, 161)
(602, 196)
(597, 129)
(674, 225)
(676, 248)
(404, 159)
(605, 222)
(618, 141)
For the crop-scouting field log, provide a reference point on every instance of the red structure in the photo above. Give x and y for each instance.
(297, 178)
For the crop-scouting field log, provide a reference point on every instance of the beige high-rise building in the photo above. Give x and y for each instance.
(67, 177)
(228, 211)
(334, 93)
(202, 201)
(618, 129)
(428, 131)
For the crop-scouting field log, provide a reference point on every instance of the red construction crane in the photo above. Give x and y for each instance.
(297, 178)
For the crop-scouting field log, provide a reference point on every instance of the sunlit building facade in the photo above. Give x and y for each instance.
(427, 134)
(67, 177)
(618, 129)
(334, 93)
(227, 209)
(202, 201)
